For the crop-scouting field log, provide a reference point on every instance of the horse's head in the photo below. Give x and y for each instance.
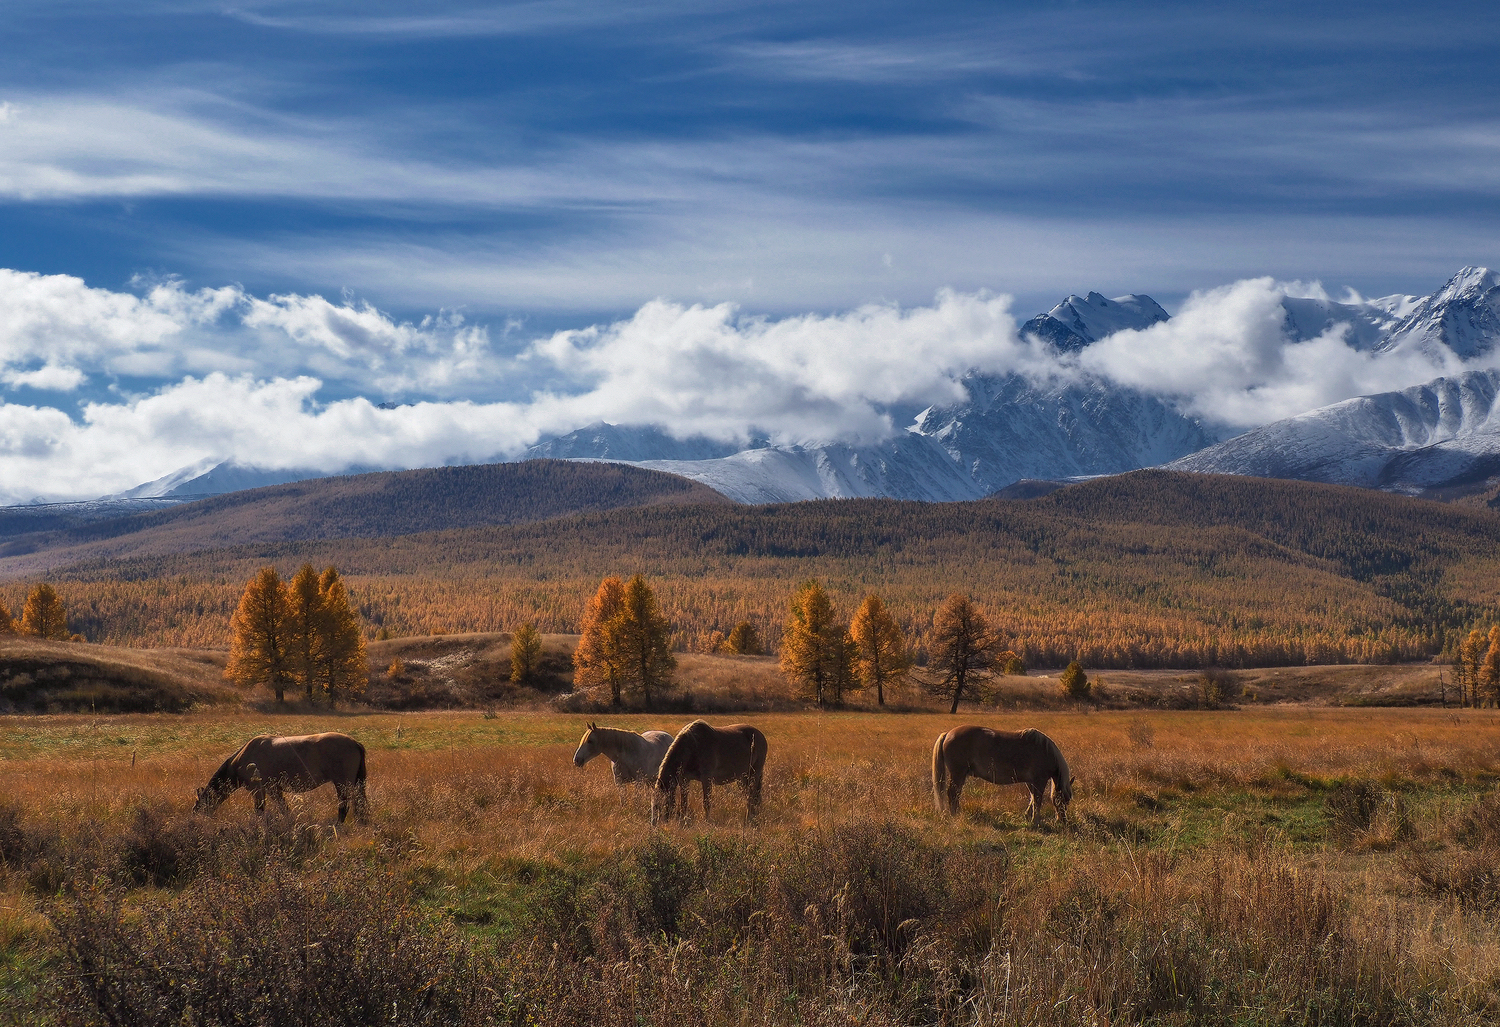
(1062, 794)
(587, 748)
(209, 799)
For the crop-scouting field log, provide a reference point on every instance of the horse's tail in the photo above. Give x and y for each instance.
(939, 773)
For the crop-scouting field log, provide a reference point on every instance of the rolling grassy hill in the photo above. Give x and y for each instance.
(1151, 569)
(363, 505)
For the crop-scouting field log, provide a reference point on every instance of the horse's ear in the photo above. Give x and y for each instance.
(591, 725)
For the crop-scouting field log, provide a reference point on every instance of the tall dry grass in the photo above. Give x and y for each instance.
(1272, 866)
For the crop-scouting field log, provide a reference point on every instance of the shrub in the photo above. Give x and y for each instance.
(1074, 683)
(339, 947)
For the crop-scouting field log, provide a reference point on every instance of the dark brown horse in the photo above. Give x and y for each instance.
(269, 765)
(1000, 757)
(714, 756)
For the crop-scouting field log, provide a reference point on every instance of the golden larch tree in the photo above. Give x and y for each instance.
(43, 615)
(813, 646)
(881, 655)
(7, 622)
(305, 627)
(1487, 692)
(1471, 654)
(596, 661)
(260, 635)
(962, 644)
(642, 637)
(525, 652)
(744, 640)
(341, 662)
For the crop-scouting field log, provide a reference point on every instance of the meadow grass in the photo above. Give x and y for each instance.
(1266, 865)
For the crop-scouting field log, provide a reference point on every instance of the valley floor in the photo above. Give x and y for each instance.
(1274, 864)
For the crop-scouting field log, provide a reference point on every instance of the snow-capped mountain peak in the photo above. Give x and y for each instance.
(1080, 320)
(1463, 317)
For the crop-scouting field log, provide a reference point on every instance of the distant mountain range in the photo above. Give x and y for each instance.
(1432, 438)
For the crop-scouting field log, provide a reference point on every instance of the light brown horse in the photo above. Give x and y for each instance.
(268, 765)
(1000, 757)
(714, 756)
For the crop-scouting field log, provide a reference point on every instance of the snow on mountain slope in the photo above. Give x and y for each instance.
(1462, 317)
(907, 466)
(1369, 322)
(629, 442)
(214, 477)
(1080, 320)
(1012, 428)
(1444, 434)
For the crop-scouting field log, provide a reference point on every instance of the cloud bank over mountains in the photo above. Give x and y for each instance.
(104, 389)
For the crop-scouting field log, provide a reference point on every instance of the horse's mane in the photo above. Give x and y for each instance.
(225, 773)
(1060, 776)
(677, 752)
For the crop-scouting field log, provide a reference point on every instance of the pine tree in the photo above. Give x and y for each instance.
(642, 638)
(881, 653)
(44, 616)
(525, 652)
(260, 635)
(595, 661)
(1075, 684)
(342, 663)
(305, 628)
(962, 644)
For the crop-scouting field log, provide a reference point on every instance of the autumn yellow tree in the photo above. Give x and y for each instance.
(1487, 691)
(525, 652)
(881, 655)
(744, 640)
(44, 616)
(814, 647)
(260, 645)
(641, 637)
(341, 662)
(305, 626)
(596, 660)
(7, 622)
(1471, 654)
(962, 644)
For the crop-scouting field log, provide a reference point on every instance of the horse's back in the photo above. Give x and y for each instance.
(307, 760)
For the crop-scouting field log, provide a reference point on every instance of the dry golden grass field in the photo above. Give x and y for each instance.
(1274, 864)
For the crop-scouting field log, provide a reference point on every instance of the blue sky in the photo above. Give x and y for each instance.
(538, 167)
(563, 161)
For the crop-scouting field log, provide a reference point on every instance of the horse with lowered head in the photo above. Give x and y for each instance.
(714, 756)
(1000, 757)
(268, 765)
(636, 757)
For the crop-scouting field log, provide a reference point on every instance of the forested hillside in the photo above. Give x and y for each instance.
(1146, 569)
(361, 506)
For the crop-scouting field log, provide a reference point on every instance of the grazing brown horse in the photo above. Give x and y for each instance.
(715, 756)
(269, 765)
(1000, 757)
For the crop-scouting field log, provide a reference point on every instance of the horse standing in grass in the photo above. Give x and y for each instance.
(269, 765)
(1000, 757)
(636, 757)
(714, 756)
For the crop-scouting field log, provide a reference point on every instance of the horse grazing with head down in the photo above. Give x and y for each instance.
(269, 765)
(636, 757)
(714, 756)
(1000, 757)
